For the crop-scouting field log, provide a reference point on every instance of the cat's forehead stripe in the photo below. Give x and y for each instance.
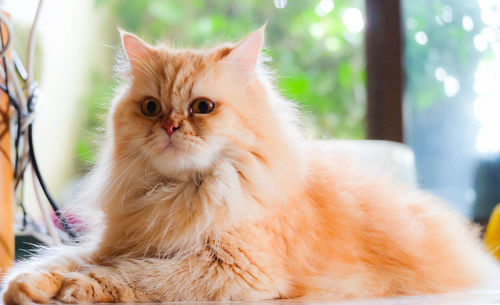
(180, 71)
(172, 72)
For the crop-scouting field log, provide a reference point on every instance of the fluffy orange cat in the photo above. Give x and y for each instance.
(211, 192)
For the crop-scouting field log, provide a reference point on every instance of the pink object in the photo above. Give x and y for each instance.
(74, 222)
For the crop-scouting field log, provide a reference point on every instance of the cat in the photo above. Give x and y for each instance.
(210, 191)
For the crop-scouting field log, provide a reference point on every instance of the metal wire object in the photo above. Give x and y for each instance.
(23, 94)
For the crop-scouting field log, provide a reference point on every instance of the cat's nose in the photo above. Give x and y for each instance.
(170, 127)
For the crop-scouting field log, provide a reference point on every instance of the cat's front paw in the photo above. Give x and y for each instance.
(88, 287)
(32, 287)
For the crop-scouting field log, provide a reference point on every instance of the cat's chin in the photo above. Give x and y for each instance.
(173, 165)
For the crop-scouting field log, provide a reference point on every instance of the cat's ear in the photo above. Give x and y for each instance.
(245, 54)
(135, 48)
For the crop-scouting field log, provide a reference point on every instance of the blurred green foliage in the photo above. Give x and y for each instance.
(448, 46)
(319, 63)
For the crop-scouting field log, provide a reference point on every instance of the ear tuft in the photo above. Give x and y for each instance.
(245, 54)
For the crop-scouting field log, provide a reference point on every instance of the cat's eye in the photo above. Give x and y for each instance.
(202, 105)
(150, 107)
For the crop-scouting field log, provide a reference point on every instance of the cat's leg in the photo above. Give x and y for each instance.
(40, 279)
(98, 284)
(201, 277)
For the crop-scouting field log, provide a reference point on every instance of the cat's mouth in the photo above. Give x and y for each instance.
(171, 144)
(176, 144)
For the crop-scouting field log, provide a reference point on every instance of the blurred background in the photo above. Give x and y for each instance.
(450, 76)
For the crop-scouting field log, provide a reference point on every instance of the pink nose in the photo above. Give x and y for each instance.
(170, 127)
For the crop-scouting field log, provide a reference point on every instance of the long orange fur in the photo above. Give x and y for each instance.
(239, 205)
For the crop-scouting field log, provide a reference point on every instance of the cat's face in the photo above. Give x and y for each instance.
(185, 109)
